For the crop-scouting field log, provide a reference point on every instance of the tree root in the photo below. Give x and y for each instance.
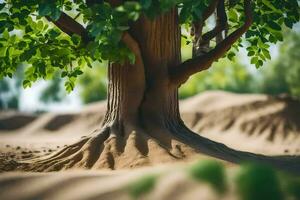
(223, 152)
(108, 148)
(111, 148)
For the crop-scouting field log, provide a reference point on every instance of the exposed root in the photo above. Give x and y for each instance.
(221, 151)
(109, 148)
(112, 148)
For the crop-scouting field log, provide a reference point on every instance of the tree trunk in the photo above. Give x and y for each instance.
(143, 95)
(143, 114)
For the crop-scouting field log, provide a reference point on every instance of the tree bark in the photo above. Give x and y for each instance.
(143, 93)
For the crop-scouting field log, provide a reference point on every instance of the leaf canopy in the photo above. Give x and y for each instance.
(27, 36)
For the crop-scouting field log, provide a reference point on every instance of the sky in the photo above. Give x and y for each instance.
(30, 100)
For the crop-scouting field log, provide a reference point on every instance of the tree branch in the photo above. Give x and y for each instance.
(182, 72)
(221, 24)
(198, 26)
(210, 10)
(70, 26)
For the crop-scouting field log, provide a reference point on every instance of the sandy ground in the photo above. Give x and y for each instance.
(107, 185)
(255, 123)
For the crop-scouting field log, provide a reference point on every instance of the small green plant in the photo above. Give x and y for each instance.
(142, 185)
(258, 182)
(211, 172)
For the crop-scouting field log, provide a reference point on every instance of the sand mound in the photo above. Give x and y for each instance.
(14, 120)
(252, 121)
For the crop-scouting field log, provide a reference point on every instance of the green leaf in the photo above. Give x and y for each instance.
(5, 34)
(230, 55)
(54, 33)
(69, 85)
(22, 44)
(251, 53)
(55, 14)
(40, 25)
(288, 22)
(44, 9)
(146, 3)
(266, 53)
(64, 74)
(75, 39)
(2, 5)
(26, 83)
(254, 60)
(274, 25)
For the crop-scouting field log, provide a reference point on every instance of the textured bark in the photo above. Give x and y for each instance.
(142, 93)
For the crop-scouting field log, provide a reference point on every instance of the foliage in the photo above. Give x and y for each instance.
(26, 36)
(93, 84)
(252, 180)
(283, 75)
(10, 91)
(53, 92)
(258, 182)
(210, 171)
(142, 185)
(224, 75)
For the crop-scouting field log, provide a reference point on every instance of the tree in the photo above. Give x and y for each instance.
(10, 91)
(282, 76)
(141, 40)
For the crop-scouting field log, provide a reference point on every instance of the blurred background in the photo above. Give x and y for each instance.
(279, 76)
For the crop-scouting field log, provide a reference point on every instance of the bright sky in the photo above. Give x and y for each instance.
(30, 100)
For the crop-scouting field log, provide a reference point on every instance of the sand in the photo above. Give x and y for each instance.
(256, 123)
(172, 182)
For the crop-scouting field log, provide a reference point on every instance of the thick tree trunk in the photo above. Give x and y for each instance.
(144, 94)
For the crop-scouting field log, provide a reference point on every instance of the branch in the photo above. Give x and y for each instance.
(221, 24)
(210, 10)
(70, 26)
(182, 72)
(198, 26)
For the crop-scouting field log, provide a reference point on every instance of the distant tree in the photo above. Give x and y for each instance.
(53, 92)
(141, 41)
(283, 75)
(10, 91)
(93, 84)
(225, 75)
